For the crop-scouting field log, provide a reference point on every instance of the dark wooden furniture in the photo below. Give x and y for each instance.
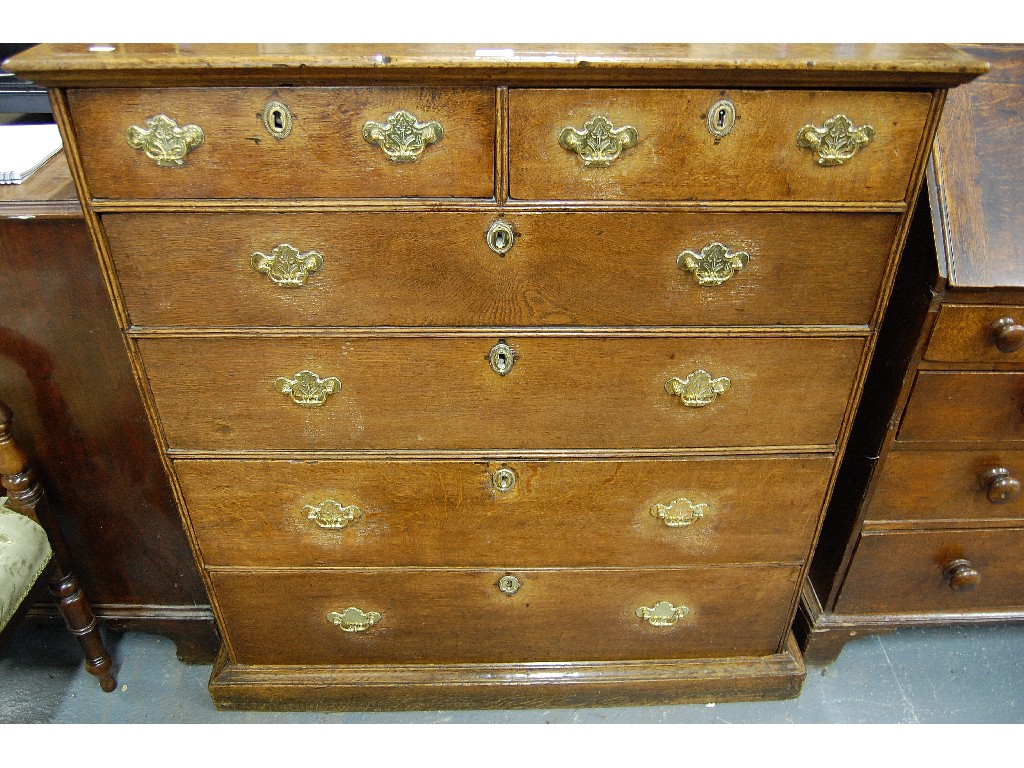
(471, 369)
(926, 525)
(80, 420)
(26, 495)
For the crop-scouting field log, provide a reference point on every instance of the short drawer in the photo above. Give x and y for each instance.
(324, 155)
(673, 155)
(430, 393)
(949, 485)
(977, 334)
(962, 406)
(437, 269)
(486, 514)
(463, 615)
(916, 572)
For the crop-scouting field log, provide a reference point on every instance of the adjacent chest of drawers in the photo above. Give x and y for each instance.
(500, 381)
(927, 526)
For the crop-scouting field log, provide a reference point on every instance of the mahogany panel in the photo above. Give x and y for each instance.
(973, 334)
(325, 154)
(423, 393)
(965, 406)
(435, 269)
(678, 158)
(279, 617)
(559, 513)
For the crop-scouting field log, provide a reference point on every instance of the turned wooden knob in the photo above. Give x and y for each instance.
(1001, 486)
(962, 575)
(1007, 334)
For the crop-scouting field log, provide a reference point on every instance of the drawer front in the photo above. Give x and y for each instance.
(424, 393)
(324, 155)
(461, 615)
(966, 334)
(949, 485)
(903, 572)
(488, 514)
(674, 155)
(436, 269)
(966, 407)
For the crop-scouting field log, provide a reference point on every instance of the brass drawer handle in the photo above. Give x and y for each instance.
(501, 357)
(662, 614)
(714, 264)
(837, 141)
(307, 388)
(500, 237)
(1000, 486)
(598, 143)
(1007, 334)
(353, 619)
(330, 514)
(164, 140)
(403, 138)
(698, 389)
(286, 266)
(961, 575)
(679, 513)
(503, 480)
(509, 585)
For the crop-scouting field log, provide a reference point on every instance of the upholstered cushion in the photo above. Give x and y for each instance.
(24, 553)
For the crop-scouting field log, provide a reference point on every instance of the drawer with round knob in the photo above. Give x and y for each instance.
(977, 334)
(692, 144)
(286, 143)
(942, 571)
(350, 616)
(480, 392)
(259, 513)
(949, 486)
(490, 269)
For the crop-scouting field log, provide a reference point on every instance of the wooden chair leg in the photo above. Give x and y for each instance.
(26, 495)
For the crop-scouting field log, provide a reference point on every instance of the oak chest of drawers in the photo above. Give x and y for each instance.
(491, 378)
(927, 526)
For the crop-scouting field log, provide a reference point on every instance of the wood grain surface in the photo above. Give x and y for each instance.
(963, 334)
(965, 406)
(559, 513)
(441, 393)
(435, 269)
(677, 157)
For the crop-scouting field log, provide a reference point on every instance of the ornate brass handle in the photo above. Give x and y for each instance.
(598, 143)
(286, 266)
(714, 264)
(1007, 334)
(164, 140)
(500, 237)
(698, 389)
(679, 513)
(403, 138)
(307, 388)
(1001, 486)
(961, 575)
(353, 619)
(837, 141)
(330, 514)
(501, 357)
(662, 614)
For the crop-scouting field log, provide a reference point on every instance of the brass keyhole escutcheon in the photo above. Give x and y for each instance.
(503, 480)
(277, 119)
(500, 237)
(721, 118)
(508, 584)
(502, 357)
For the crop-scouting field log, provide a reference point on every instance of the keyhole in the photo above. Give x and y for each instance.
(502, 361)
(499, 239)
(278, 121)
(721, 118)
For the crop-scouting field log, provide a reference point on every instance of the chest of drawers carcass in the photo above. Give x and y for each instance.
(499, 378)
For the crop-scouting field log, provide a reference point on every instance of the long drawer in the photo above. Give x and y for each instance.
(437, 269)
(491, 514)
(463, 615)
(324, 154)
(423, 393)
(903, 572)
(673, 155)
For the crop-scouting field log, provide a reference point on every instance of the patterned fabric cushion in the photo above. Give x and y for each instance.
(24, 553)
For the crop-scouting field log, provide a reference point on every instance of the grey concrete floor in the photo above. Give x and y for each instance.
(947, 675)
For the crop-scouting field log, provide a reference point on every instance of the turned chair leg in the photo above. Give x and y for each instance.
(26, 495)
